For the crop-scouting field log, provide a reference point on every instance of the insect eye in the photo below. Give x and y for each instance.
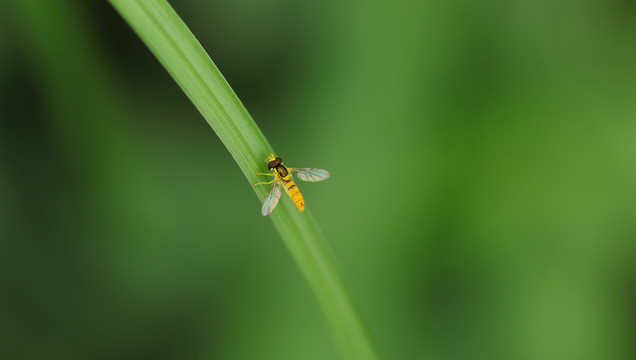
(274, 163)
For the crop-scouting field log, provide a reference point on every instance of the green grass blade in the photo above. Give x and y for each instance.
(165, 34)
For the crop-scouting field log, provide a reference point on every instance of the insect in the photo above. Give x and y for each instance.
(282, 176)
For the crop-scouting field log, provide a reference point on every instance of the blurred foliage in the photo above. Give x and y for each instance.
(481, 203)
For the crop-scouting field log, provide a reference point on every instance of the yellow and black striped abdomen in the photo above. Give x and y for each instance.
(294, 194)
(290, 188)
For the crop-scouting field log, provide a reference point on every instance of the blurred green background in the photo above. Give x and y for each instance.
(481, 205)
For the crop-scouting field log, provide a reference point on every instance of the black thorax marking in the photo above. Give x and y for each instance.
(282, 170)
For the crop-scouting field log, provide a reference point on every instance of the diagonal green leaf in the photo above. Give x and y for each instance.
(169, 39)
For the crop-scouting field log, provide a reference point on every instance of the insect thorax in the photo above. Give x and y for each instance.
(281, 170)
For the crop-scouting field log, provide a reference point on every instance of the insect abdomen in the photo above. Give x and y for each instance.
(294, 194)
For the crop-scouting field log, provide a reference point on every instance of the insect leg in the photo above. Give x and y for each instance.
(268, 174)
(263, 183)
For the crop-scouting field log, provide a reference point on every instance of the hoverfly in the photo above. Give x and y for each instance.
(282, 176)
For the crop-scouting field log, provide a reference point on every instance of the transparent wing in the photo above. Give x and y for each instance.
(271, 200)
(310, 174)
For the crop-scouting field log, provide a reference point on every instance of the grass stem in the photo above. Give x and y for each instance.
(176, 48)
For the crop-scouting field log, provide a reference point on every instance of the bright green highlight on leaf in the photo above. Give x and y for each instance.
(165, 34)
